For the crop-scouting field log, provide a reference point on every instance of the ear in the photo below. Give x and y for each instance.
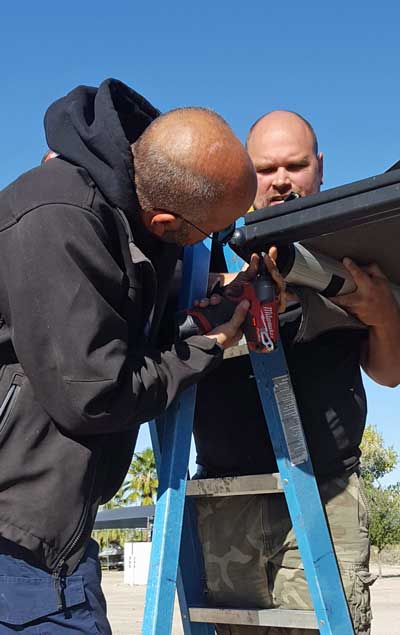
(162, 222)
(320, 158)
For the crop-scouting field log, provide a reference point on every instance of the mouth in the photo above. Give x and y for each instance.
(276, 200)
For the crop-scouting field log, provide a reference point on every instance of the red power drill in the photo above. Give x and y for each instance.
(261, 325)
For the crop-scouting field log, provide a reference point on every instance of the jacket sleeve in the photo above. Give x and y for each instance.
(65, 293)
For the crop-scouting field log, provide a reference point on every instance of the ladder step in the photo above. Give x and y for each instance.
(235, 485)
(282, 618)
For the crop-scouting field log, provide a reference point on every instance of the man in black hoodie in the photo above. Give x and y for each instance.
(89, 242)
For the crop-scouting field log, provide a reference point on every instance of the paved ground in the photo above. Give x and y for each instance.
(386, 602)
(125, 604)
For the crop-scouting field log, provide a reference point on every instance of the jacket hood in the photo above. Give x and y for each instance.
(94, 127)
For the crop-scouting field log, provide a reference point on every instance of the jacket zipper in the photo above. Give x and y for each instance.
(57, 573)
(61, 561)
(8, 404)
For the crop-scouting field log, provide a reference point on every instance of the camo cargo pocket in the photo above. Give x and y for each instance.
(360, 601)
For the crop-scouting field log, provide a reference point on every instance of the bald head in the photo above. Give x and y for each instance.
(189, 161)
(288, 120)
(284, 149)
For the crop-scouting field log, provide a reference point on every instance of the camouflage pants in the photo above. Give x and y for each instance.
(252, 560)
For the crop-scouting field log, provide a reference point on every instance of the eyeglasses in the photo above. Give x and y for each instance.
(222, 236)
(189, 222)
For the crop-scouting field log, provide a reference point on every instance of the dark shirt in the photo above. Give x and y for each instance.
(230, 429)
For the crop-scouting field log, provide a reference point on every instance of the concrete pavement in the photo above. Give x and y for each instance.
(125, 604)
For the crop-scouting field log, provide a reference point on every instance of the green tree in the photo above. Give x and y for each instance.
(384, 530)
(384, 502)
(140, 485)
(141, 482)
(376, 459)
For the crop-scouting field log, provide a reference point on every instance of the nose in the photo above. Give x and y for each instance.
(281, 180)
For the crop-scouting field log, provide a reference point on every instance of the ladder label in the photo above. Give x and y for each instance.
(290, 417)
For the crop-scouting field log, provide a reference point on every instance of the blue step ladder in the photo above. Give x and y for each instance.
(176, 559)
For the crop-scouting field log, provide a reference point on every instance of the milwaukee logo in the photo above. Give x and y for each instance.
(269, 323)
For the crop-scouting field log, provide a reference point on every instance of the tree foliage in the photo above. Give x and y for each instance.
(139, 486)
(384, 515)
(376, 459)
(384, 502)
(141, 482)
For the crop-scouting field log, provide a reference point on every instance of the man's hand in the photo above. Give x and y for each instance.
(373, 302)
(230, 333)
(234, 289)
(248, 272)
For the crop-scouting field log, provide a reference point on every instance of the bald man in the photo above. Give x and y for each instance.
(89, 242)
(284, 150)
(250, 551)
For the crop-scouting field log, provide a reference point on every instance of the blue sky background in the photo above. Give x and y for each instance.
(335, 63)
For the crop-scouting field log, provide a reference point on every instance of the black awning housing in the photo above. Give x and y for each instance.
(360, 220)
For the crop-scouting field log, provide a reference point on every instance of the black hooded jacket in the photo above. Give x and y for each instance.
(83, 288)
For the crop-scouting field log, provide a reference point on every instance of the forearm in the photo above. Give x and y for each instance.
(381, 355)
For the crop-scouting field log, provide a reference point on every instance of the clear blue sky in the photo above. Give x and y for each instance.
(335, 63)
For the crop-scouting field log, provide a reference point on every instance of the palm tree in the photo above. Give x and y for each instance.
(141, 482)
(140, 485)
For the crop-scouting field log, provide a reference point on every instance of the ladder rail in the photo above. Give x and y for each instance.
(171, 437)
(300, 487)
(302, 494)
